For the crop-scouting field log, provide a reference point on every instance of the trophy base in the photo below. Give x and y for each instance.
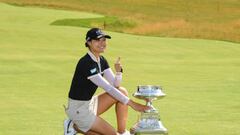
(143, 128)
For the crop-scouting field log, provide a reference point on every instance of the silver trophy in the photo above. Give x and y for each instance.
(149, 121)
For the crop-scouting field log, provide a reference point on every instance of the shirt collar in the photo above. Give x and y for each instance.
(93, 56)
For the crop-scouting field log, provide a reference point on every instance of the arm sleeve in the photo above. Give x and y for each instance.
(114, 80)
(115, 93)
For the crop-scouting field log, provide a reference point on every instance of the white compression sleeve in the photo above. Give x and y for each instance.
(112, 79)
(115, 93)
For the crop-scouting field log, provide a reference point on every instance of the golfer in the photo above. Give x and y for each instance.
(84, 109)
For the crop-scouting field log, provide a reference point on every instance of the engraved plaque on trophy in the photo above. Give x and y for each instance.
(149, 121)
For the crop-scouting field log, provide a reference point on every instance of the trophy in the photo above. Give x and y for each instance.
(149, 121)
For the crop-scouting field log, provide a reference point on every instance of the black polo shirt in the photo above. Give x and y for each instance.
(82, 88)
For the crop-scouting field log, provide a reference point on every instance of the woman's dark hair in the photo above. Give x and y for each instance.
(86, 44)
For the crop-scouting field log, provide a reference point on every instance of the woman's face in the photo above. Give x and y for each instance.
(98, 45)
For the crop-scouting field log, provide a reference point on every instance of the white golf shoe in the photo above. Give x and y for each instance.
(68, 127)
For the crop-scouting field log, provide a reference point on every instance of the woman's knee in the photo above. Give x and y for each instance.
(123, 90)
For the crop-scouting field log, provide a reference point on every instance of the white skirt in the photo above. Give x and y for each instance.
(83, 113)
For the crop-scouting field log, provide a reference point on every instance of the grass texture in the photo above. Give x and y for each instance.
(200, 77)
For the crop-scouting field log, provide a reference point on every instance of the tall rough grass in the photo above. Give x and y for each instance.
(208, 19)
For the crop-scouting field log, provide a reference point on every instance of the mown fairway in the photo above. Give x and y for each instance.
(200, 77)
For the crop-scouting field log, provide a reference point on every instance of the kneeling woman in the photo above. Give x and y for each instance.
(93, 71)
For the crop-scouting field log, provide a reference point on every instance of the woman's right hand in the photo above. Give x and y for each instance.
(138, 107)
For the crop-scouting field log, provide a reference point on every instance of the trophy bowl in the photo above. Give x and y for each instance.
(149, 93)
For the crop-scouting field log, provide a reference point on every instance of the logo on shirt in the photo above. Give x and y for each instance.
(94, 70)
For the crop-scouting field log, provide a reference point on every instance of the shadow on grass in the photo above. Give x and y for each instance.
(107, 23)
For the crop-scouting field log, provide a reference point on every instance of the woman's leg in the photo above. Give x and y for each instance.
(100, 127)
(90, 132)
(105, 101)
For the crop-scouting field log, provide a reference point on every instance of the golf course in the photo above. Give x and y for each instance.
(38, 56)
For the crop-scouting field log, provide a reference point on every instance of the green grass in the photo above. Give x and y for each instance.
(202, 19)
(200, 77)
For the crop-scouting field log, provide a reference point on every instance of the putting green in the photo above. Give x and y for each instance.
(200, 77)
